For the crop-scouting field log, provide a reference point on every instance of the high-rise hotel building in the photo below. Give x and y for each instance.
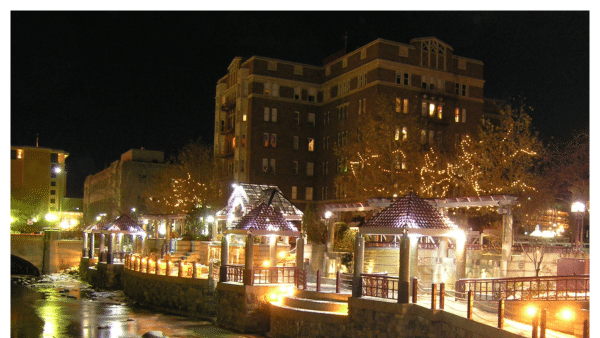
(278, 122)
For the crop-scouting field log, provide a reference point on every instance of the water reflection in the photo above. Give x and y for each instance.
(56, 310)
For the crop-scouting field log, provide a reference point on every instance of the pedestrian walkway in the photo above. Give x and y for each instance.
(459, 307)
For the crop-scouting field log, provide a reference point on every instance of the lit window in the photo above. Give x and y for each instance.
(266, 139)
(274, 140)
(431, 109)
(439, 112)
(310, 169)
(265, 165)
(456, 115)
(404, 133)
(424, 108)
(311, 144)
(294, 192)
(244, 117)
(311, 119)
(405, 106)
(397, 134)
(398, 105)
(274, 115)
(309, 193)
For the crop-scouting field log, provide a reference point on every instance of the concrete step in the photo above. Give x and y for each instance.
(315, 305)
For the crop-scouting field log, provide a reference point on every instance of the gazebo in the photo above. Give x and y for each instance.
(89, 234)
(123, 225)
(409, 217)
(263, 220)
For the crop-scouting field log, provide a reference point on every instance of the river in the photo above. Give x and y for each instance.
(59, 305)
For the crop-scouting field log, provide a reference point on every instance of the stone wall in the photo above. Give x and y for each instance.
(289, 323)
(386, 319)
(189, 296)
(244, 308)
(106, 276)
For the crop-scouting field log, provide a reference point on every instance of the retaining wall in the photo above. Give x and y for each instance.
(189, 296)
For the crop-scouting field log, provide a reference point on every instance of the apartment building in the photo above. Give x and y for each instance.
(38, 182)
(120, 188)
(278, 122)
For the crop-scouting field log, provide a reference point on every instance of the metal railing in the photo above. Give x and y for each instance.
(235, 273)
(275, 275)
(527, 288)
(379, 285)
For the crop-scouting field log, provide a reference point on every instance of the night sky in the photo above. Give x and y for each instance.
(97, 84)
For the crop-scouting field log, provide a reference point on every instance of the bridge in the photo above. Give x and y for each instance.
(44, 253)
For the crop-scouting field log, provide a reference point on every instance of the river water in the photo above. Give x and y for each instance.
(59, 305)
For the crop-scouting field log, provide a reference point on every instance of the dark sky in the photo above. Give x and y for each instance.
(97, 84)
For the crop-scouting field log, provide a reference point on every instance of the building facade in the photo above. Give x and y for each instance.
(278, 122)
(38, 182)
(120, 188)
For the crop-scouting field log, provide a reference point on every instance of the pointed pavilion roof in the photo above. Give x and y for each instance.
(263, 220)
(98, 226)
(247, 196)
(123, 224)
(412, 213)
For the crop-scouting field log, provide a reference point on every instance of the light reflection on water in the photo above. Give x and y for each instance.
(51, 312)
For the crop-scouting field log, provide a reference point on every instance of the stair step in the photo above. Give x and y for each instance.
(315, 305)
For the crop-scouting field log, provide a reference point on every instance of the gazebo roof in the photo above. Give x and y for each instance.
(412, 213)
(98, 226)
(263, 220)
(247, 196)
(123, 224)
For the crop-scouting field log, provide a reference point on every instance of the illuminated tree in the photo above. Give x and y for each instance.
(313, 224)
(503, 158)
(190, 182)
(382, 157)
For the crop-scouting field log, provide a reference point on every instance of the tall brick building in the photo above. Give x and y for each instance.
(277, 122)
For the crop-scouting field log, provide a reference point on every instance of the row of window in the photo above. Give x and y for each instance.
(273, 90)
(270, 141)
(340, 192)
(270, 115)
(269, 166)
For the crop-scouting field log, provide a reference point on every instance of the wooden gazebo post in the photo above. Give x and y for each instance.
(224, 258)
(359, 265)
(404, 268)
(249, 261)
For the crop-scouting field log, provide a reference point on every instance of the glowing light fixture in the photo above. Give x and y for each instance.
(531, 310)
(328, 214)
(266, 264)
(51, 217)
(210, 219)
(566, 314)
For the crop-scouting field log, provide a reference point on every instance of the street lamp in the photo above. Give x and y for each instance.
(578, 208)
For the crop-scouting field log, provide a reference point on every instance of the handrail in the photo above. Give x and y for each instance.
(548, 288)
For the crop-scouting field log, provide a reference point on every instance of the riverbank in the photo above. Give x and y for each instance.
(60, 305)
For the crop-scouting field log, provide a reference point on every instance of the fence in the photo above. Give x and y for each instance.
(527, 288)
(154, 265)
(378, 285)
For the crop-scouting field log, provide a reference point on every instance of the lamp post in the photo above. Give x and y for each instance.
(578, 209)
